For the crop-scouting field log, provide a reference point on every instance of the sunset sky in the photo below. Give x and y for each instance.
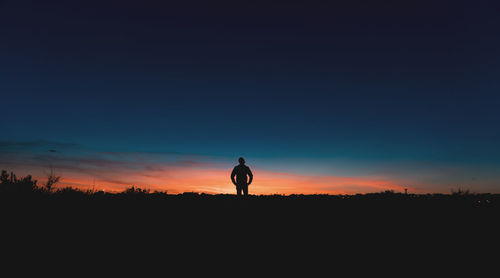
(358, 97)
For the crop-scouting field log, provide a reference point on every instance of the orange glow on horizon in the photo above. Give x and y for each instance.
(216, 181)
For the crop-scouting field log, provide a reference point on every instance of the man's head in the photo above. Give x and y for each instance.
(241, 160)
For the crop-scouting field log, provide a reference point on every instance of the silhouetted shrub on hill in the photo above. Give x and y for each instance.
(10, 183)
(70, 191)
(52, 179)
(135, 191)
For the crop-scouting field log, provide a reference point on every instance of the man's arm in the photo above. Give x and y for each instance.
(233, 174)
(250, 175)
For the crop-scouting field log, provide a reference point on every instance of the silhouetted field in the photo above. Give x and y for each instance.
(24, 193)
(24, 196)
(362, 225)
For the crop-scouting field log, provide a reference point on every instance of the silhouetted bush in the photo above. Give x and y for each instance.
(135, 191)
(12, 184)
(52, 179)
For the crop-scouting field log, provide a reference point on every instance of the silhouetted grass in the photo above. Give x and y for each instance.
(25, 189)
(141, 222)
(12, 186)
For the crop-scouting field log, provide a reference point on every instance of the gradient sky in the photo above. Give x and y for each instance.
(358, 96)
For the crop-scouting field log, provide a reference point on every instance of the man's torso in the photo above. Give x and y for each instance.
(241, 172)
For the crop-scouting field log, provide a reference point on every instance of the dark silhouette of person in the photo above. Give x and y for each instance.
(241, 172)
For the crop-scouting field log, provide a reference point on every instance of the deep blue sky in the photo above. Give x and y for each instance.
(297, 86)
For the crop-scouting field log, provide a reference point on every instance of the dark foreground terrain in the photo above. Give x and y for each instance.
(367, 230)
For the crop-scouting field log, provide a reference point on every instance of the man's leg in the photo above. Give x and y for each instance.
(238, 190)
(245, 190)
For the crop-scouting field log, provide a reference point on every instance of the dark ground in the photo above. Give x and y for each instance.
(287, 233)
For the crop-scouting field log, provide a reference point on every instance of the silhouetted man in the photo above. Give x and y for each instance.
(240, 172)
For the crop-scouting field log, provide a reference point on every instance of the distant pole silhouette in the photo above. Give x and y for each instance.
(240, 172)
